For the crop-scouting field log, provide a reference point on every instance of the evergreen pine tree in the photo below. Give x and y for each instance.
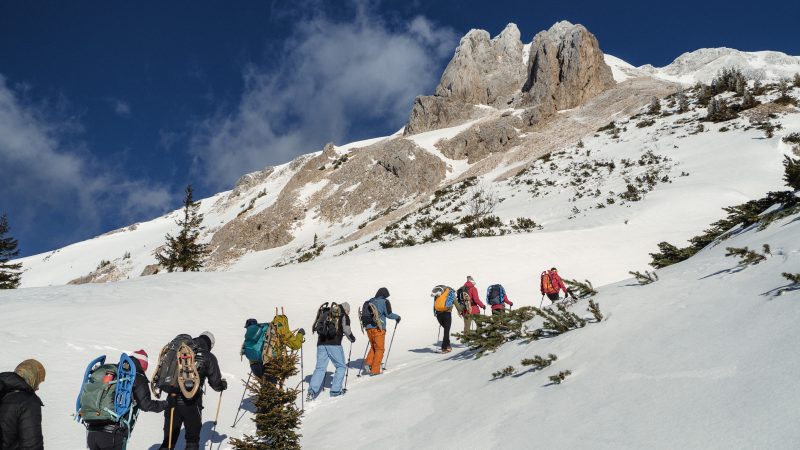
(796, 80)
(183, 251)
(748, 100)
(655, 106)
(791, 172)
(644, 278)
(9, 273)
(277, 416)
(594, 308)
(683, 102)
(793, 277)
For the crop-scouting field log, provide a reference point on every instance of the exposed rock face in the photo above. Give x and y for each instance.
(565, 68)
(482, 139)
(103, 274)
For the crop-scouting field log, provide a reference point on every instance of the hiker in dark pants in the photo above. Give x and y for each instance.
(551, 285)
(21, 408)
(113, 436)
(443, 300)
(188, 412)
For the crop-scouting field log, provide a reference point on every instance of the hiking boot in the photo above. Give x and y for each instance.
(367, 368)
(447, 350)
(310, 396)
(336, 393)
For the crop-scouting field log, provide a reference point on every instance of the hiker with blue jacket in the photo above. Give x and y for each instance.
(331, 325)
(376, 332)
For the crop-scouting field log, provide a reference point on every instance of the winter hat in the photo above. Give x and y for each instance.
(346, 307)
(141, 355)
(250, 322)
(210, 338)
(470, 279)
(32, 371)
(382, 292)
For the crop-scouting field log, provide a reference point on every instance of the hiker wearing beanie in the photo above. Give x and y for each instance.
(329, 347)
(21, 408)
(377, 333)
(188, 412)
(475, 300)
(113, 436)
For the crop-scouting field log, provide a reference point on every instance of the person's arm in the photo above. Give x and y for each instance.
(346, 328)
(505, 299)
(389, 312)
(213, 374)
(30, 425)
(561, 284)
(473, 294)
(141, 393)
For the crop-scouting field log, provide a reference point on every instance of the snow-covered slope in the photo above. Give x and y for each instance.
(699, 359)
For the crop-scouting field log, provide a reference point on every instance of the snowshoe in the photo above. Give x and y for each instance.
(188, 378)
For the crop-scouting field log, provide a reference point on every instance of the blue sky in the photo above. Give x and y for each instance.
(108, 109)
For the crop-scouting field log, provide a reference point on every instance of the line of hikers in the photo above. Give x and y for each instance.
(112, 394)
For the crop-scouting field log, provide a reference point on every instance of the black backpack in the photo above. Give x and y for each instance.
(328, 320)
(495, 294)
(463, 301)
(370, 315)
(179, 368)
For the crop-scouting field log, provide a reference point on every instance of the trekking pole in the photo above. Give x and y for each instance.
(437, 334)
(363, 360)
(302, 379)
(171, 415)
(540, 302)
(347, 368)
(246, 386)
(216, 418)
(390, 346)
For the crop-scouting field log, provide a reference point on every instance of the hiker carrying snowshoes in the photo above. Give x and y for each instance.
(113, 435)
(376, 328)
(496, 298)
(550, 284)
(21, 408)
(186, 398)
(263, 341)
(468, 302)
(444, 297)
(331, 325)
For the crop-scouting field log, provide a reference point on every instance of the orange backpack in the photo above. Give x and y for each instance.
(547, 283)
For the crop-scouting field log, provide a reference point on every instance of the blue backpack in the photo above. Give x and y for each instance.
(495, 294)
(254, 336)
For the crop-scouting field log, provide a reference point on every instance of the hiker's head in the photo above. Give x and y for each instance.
(382, 292)
(250, 322)
(346, 308)
(141, 355)
(437, 291)
(553, 269)
(32, 371)
(209, 337)
(471, 280)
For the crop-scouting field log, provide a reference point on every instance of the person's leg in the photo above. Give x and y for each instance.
(467, 322)
(315, 385)
(377, 358)
(177, 422)
(257, 368)
(193, 422)
(447, 321)
(553, 297)
(371, 355)
(336, 354)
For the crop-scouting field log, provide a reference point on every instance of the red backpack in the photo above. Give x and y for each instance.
(547, 285)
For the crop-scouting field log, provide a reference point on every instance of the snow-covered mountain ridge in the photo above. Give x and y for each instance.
(347, 196)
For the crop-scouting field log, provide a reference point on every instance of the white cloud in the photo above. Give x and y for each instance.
(122, 108)
(334, 76)
(42, 171)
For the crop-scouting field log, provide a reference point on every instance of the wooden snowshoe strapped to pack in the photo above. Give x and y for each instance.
(188, 378)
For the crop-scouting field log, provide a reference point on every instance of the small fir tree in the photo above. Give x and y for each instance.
(9, 273)
(748, 100)
(747, 256)
(793, 277)
(683, 102)
(539, 363)
(594, 308)
(183, 251)
(655, 106)
(644, 278)
(508, 371)
(560, 376)
(796, 80)
(791, 172)
(581, 290)
(277, 417)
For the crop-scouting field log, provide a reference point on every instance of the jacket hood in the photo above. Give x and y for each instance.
(32, 371)
(469, 284)
(382, 292)
(204, 342)
(10, 381)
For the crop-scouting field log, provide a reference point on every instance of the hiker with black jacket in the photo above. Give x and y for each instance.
(113, 436)
(329, 347)
(188, 412)
(21, 408)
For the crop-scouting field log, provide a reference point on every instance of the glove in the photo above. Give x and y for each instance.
(511, 303)
(302, 331)
(351, 338)
(172, 400)
(398, 319)
(224, 384)
(483, 307)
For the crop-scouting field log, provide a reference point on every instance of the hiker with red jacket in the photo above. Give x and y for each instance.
(497, 299)
(113, 436)
(475, 303)
(21, 408)
(551, 284)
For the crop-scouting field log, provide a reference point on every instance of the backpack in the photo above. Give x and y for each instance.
(547, 283)
(444, 301)
(463, 301)
(327, 323)
(370, 316)
(254, 338)
(106, 393)
(278, 337)
(178, 368)
(495, 294)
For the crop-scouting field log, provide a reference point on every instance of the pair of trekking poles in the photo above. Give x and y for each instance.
(364, 359)
(213, 429)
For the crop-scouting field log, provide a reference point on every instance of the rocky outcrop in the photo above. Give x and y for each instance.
(482, 139)
(105, 272)
(565, 68)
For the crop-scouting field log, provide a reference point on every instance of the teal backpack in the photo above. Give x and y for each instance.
(254, 336)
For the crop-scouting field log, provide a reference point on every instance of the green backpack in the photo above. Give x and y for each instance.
(97, 396)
